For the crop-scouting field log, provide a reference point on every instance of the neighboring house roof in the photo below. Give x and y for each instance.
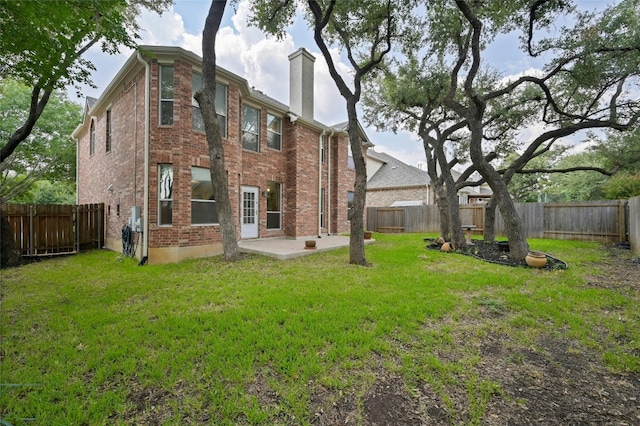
(344, 127)
(395, 174)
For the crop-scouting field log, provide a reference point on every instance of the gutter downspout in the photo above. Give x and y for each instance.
(145, 208)
(328, 209)
(320, 198)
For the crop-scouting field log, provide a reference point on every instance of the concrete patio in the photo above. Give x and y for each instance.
(290, 248)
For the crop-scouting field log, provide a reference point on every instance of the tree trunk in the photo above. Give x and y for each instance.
(8, 254)
(489, 233)
(356, 238)
(518, 245)
(455, 224)
(514, 229)
(206, 98)
(443, 207)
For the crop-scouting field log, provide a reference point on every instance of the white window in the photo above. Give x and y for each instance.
(165, 194)
(221, 105)
(322, 196)
(274, 205)
(323, 143)
(274, 132)
(108, 135)
(166, 95)
(250, 128)
(92, 137)
(203, 203)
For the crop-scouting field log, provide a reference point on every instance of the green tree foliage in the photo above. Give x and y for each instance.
(620, 152)
(47, 192)
(622, 186)
(579, 185)
(42, 43)
(49, 152)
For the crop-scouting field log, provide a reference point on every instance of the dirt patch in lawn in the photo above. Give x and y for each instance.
(555, 381)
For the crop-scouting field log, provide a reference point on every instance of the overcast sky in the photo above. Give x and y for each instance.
(263, 61)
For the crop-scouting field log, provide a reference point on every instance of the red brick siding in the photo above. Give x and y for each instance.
(295, 167)
(383, 198)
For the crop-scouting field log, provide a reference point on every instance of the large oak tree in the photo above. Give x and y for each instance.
(365, 31)
(206, 97)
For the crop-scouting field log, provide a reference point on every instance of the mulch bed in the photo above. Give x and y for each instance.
(497, 252)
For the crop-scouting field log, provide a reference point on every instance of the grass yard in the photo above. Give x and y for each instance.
(421, 337)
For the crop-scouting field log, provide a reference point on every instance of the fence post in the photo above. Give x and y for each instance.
(76, 230)
(31, 219)
(100, 208)
(622, 220)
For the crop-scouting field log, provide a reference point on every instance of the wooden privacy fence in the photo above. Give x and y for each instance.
(634, 224)
(605, 221)
(48, 229)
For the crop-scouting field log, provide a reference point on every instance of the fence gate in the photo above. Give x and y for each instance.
(48, 229)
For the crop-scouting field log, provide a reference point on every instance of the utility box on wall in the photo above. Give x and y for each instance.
(135, 221)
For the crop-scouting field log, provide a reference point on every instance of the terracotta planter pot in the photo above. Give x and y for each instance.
(536, 259)
(310, 244)
(447, 247)
(440, 241)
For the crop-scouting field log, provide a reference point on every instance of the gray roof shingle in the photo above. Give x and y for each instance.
(395, 174)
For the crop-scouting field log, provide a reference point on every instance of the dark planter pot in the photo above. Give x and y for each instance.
(503, 245)
(367, 235)
(310, 244)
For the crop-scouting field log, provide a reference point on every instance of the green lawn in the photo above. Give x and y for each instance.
(94, 339)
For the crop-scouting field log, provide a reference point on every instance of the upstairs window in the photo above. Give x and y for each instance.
(197, 123)
(221, 108)
(108, 135)
(166, 95)
(203, 203)
(92, 137)
(250, 128)
(274, 132)
(323, 147)
(221, 105)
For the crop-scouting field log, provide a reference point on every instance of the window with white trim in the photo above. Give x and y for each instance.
(221, 105)
(92, 137)
(203, 203)
(108, 135)
(165, 194)
(322, 203)
(274, 132)
(166, 95)
(250, 128)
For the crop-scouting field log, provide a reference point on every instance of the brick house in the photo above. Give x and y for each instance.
(390, 182)
(142, 151)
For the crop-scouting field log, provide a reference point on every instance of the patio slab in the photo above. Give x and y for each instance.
(290, 248)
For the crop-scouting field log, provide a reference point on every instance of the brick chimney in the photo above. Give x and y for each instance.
(301, 83)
